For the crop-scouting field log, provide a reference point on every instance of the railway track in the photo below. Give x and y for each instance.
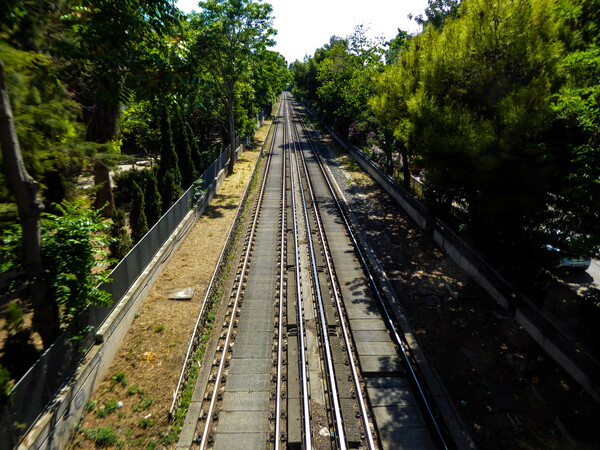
(308, 354)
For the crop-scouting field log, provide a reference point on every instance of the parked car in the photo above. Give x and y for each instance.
(571, 260)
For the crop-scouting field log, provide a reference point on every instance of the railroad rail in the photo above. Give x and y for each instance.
(309, 355)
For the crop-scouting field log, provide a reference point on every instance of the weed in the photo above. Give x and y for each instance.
(143, 405)
(120, 377)
(146, 423)
(91, 404)
(152, 444)
(159, 328)
(132, 390)
(103, 436)
(108, 408)
(210, 317)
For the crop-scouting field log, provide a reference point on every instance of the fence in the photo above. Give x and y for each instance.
(35, 391)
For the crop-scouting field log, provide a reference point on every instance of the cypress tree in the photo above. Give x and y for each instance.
(183, 149)
(122, 240)
(137, 217)
(195, 149)
(170, 190)
(152, 198)
(168, 157)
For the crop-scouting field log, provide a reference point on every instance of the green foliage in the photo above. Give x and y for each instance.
(121, 240)
(340, 74)
(138, 129)
(5, 385)
(46, 120)
(437, 12)
(14, 318)
(502, 116)
(120, 377)
(159, 328)
(169, 175)
(109, 407)
(137, 216)
(183, 148)
(73, 248)
(102, 436)
(74, 244)
(152, 198)
(170, 190)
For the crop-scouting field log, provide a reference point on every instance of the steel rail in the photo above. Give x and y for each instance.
(399, 341)
(345, 334)
(304, 375)
(214, 396)
(281, 301)
(327, 347)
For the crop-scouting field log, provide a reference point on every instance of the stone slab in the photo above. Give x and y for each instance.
(247, 382)
(376, 365)
(182, 294)
(371, 336)
(245, 401)
(240, 441)
(375, 324)
(375, 348)
(257, 350)
(253, 365)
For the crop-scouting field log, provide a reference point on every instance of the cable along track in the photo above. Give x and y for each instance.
(305, 358)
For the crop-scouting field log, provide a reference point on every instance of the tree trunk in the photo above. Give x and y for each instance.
(29, 204)
(405, 171)
(105, 202)
(101, 117)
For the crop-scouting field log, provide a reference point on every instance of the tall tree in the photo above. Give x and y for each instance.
(25, 190)
(229, 35)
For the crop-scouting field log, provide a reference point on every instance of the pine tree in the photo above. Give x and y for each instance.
(152, 198)
(122, 242)
(137, 217)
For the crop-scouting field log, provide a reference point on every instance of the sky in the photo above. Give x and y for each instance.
(306, 26)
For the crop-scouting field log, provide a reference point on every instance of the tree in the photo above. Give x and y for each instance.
(477, 102)
(229, 35)
(437, 12)
(121, 240)
(183, 148)
(152, 198)
(169, 176)
(137, 216)
(25, 190)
